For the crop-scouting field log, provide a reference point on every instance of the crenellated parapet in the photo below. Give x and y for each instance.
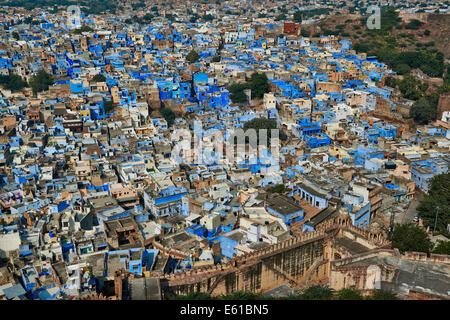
(296, 255)
(377, 238)
(200, 274)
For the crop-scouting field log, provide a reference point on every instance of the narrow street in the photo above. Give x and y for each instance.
(412, 209)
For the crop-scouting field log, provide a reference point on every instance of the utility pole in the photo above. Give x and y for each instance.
(435, 219)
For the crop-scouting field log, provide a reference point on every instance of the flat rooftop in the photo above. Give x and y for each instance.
(282, 204)
(311, 190)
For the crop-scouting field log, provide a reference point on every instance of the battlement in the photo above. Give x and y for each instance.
(322, 231)
(198, 274)
(339, 222)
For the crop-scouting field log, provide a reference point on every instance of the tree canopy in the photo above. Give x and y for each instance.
(108, 106)
(430, 61)
(348, 294)
(207, 17)
(41, 81)
(237, 94)
(436, 201)
(317, 293)
(279, 188)
(13, 82)
(409, 237)
(168, 114)
(192, 56)
(411, 87)
(83, 28)
(259, 85)
(443, 247)
(414, 24)
(422, 111)
(99, 78)
(263, 123)
(381, 294)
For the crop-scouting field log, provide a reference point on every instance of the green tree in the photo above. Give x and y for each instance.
(414, 24)
(422, 111)
(168, 114)
(99, 78)
(402, 69)
(259, 85)
(16, 35)
(298, 16)
(136, 6)
(389, 19)
(208, 17)
(409, 237)
(16, 83)
(28, 20)
(348, 294)
(41, 81)
(317, 293)
(382, 295)
(170, 17)
(147, 17)
(409, 86)
(238, 97)
(279, 188)
(13, 82)
(443, 247)
(304, 32)
(435, 206)
(263, 123)
(108, 106)
(83, 28)
(192, 56)
(237, 94)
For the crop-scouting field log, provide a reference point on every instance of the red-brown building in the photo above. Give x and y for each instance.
(291, 28)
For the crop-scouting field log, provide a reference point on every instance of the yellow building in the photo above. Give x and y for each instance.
(85, 113)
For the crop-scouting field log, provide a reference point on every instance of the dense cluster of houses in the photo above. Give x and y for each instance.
(87, 190)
